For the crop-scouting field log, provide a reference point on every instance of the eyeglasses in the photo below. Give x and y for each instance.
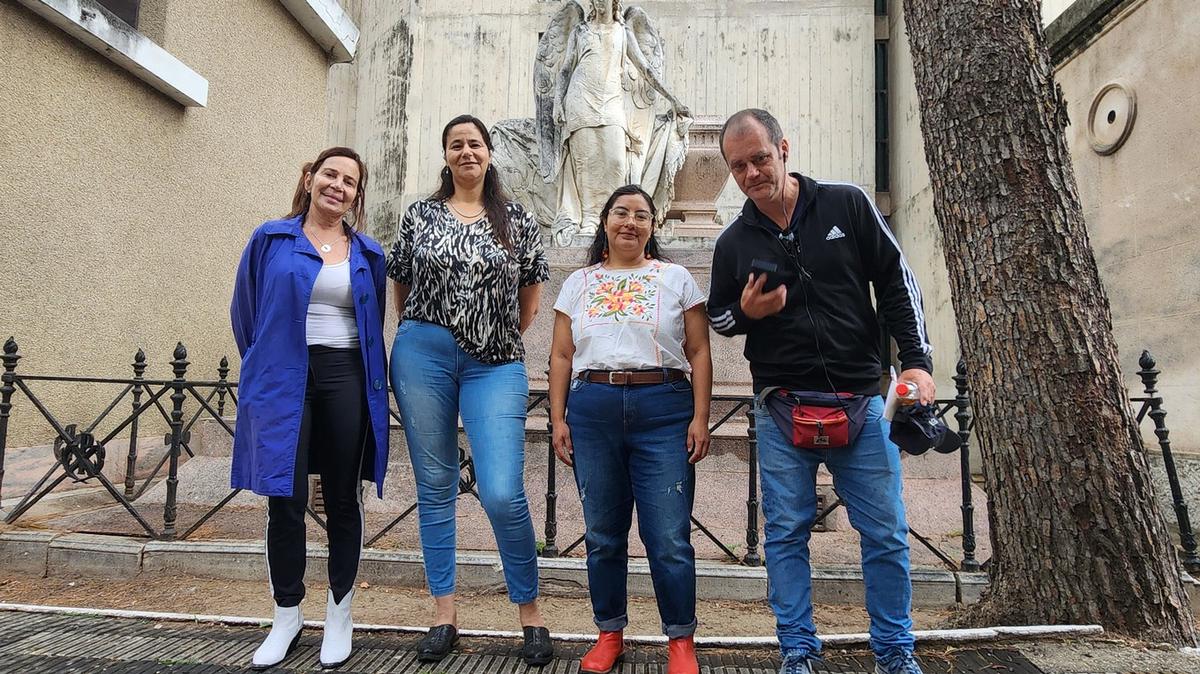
(640, 217)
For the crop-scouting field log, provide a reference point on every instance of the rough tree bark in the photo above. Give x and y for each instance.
(1077, 536)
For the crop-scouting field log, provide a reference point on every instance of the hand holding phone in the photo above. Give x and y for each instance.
(776, 274)
(757, 303)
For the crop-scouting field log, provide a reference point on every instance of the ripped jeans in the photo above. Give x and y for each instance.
(630, 447)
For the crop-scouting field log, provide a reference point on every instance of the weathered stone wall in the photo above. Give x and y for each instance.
(422, 63)
(127, 213)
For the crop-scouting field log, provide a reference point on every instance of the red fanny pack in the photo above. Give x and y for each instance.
(816, 427)
(818, 420)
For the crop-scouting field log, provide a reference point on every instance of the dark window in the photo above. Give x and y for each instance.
(882, 149)
(126, 10)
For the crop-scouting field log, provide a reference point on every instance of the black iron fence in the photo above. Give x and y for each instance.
(80, 453)
(80, 456)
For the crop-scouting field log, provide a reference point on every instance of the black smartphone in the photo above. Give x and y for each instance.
(777, 274)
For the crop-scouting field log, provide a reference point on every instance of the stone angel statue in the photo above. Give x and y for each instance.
(604, 119)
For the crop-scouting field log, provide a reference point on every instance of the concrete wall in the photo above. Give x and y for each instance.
(341, 91)
(126, 211)
(421, 63)
(1141, 203)
(1051, 9)
(912, 216)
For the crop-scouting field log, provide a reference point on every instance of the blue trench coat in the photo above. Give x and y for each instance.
(270, 304)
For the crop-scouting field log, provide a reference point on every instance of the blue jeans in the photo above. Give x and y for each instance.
(435, 381)
(866, 476)
(631, 447)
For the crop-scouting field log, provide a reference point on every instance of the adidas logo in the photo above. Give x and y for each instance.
(835, 233)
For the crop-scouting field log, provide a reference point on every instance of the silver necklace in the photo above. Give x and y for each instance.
(464, 215)
(325, 247)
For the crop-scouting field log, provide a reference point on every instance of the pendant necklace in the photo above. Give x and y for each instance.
(325, 247)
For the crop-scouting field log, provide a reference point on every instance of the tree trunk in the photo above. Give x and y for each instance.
(1077, 536)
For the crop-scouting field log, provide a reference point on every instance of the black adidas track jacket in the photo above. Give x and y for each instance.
(838, 246)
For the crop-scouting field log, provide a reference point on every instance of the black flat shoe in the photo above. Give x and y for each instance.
(437, 643)
(538, 649)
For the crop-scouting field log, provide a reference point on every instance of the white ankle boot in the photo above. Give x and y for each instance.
(335, 646)
(284, 635)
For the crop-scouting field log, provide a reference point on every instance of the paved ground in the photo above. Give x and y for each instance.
(69, 644)
(391, 605)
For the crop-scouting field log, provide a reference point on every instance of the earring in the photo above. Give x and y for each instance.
(648, 256)
(604, 255)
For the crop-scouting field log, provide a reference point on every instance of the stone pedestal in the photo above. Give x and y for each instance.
(699, 182)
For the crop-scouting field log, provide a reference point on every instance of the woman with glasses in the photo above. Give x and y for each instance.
(629, 328)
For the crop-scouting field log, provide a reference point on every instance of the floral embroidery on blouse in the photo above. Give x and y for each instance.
(631, 296)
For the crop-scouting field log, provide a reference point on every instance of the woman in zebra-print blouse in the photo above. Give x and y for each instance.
(468, 266)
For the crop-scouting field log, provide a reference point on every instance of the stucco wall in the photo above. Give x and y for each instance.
(421, 63)
(127, 212)
(1142, 204)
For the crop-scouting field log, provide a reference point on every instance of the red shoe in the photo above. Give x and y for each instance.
(605, 655)
(681, 656)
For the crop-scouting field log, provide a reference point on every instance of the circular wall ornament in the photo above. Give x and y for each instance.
(1111, 118)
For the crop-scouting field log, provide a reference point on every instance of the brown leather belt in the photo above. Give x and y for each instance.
(632, 377)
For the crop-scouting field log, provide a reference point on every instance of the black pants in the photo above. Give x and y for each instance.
(332, 436)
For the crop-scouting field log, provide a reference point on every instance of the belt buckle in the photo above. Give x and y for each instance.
(610, 377)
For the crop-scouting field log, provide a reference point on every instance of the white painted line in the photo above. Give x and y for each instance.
(962, 636)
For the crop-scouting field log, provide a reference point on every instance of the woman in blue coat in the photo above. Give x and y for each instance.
(307, 315)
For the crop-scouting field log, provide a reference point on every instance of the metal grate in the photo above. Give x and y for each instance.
(44, 644)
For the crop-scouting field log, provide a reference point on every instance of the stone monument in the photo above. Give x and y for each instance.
(604, 119)
(699, 182)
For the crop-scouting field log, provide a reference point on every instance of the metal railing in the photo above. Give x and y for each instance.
(1152, 406)
(80, 453)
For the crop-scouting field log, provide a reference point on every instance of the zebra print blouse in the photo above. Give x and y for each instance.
(463, 279)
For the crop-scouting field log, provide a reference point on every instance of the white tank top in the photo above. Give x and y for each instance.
(331, 320)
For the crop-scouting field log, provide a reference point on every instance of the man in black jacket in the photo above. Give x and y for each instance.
(794, 273)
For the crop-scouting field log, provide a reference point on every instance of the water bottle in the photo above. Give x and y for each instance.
(900, 394)
(907, 393)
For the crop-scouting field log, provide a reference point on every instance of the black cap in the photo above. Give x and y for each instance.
(916, 429)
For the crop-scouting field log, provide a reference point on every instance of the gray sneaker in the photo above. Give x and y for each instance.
(898, 661)
(796, 662)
